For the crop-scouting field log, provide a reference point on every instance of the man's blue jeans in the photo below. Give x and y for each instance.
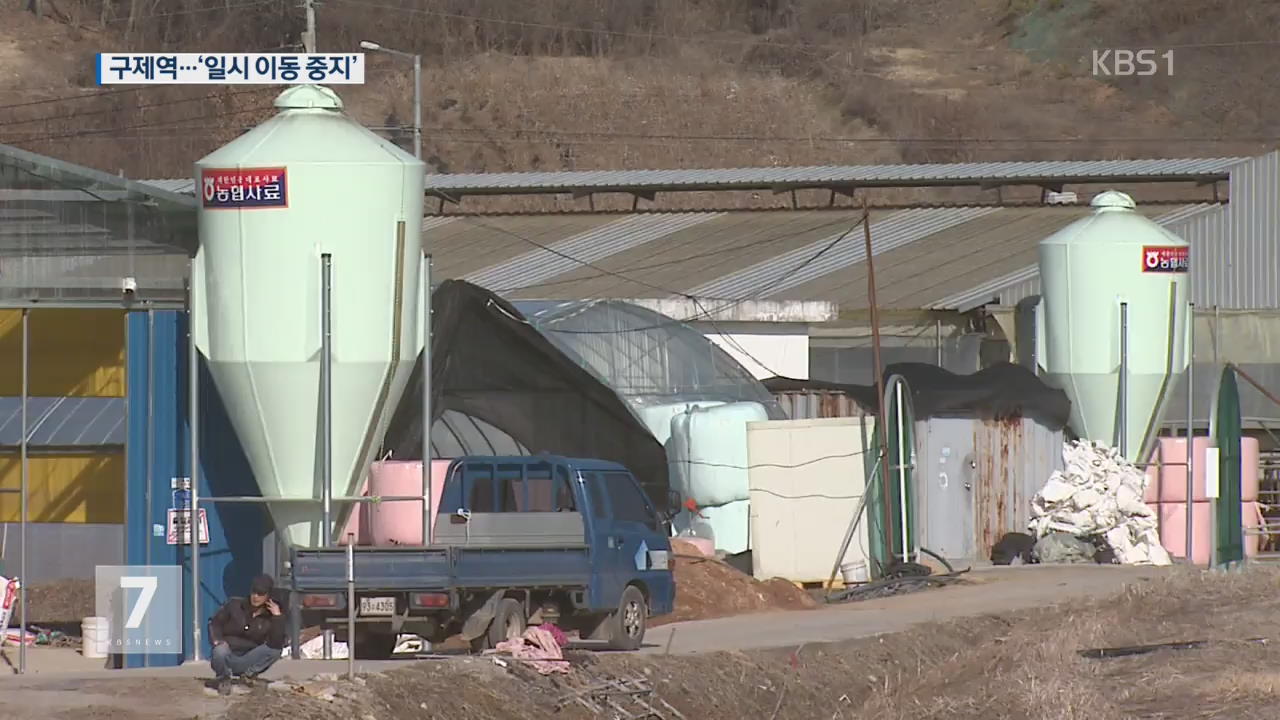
(226, 663)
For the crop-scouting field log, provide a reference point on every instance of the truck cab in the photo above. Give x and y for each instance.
(516, 541)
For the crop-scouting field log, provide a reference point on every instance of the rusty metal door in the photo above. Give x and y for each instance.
(947, 464)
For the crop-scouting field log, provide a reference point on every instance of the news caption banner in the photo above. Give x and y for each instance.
(230, 68)
(142, 605)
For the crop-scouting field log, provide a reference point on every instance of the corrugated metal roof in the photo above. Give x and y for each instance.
(185, 186)
(907, 175)
(63, 422)
(621, 234)
(804, 264)
(758, 178)
(924, 257)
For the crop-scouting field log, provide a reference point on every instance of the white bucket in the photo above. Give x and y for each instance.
(94, 638)
(854, 572)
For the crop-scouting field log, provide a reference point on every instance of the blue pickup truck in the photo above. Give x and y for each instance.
(517, 541)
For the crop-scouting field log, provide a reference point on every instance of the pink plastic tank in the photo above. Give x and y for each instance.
(1173, 529)
(400, 522)
(1167, 483)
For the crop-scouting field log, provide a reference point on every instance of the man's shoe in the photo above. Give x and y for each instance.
(224, 686)
(249, 680)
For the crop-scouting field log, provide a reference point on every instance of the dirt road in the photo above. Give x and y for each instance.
(63, 684)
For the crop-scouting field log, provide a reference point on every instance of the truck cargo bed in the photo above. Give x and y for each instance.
(375, 569)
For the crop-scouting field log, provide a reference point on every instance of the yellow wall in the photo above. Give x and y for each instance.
(73, 353)
(72, 488)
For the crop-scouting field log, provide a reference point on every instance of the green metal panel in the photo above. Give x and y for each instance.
(1228, 521)
(901, 453)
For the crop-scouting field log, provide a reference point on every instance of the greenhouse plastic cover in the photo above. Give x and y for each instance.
(566, 378)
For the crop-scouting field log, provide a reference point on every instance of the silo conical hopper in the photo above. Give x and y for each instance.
(307, 182)
(1088, 270)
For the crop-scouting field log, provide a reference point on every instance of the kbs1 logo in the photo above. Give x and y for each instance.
(1127, 63)
(142, 605)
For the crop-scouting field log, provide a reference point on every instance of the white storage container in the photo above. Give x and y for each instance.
(807, 478)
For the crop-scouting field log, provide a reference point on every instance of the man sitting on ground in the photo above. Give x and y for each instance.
(247, 635)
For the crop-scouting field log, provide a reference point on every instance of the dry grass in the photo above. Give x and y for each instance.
(588, 84)
(1016, 667)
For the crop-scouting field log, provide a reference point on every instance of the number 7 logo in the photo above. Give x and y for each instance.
(148, 585)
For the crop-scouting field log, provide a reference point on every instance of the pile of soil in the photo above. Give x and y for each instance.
(708, 588)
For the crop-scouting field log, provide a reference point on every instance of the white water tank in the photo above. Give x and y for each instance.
(1087, 270)
(308, 181)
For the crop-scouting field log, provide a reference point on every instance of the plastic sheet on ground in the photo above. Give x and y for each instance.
(1099, 493)
(313, 649)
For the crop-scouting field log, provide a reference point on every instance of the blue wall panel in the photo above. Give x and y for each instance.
(236, 531)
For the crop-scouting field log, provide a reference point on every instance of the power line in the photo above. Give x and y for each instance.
(781, 466)
(696, 318)
(65, 116)
(172, 13)
(617, 135)
(842, 46)
(163, 124)
(685, 258)
(67, 98)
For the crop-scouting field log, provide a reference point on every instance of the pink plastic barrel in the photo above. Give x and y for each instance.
(1173, 529)
(399, 522)
(1167, 483)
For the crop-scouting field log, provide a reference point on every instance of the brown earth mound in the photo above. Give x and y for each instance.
(708, 588)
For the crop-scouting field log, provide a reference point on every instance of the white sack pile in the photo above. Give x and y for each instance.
(1100, 493)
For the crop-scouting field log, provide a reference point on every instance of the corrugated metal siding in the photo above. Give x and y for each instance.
(1015, 458)
(816, 404)
(1235, 257)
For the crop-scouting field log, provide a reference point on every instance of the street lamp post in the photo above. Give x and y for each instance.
(417, 90)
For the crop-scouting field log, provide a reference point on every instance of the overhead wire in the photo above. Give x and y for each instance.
(107, 111)
(667, 291)
(139, 126)
(841, 46)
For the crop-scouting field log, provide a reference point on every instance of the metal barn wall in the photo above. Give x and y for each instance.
(1010, 463)
(1235, 256)
(62, 551)
(816, 404)
(158, 452)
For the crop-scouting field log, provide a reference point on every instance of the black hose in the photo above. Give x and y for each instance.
(939, 558)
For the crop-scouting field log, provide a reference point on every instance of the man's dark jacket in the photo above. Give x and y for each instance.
(236, 624)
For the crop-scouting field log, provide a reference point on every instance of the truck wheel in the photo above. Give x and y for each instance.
(627, 624)
(375, 645)
(508, 621)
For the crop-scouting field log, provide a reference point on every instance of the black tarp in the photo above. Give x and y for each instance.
(998, 392)
(489, 363)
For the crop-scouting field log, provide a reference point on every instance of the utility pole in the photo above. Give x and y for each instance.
(309, 37)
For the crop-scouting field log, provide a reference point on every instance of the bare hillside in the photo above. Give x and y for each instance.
(581, 84)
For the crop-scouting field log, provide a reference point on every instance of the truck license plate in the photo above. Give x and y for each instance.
(377, 606)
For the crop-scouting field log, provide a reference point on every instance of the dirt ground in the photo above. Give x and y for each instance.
(708, 588)
(1022, 666)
